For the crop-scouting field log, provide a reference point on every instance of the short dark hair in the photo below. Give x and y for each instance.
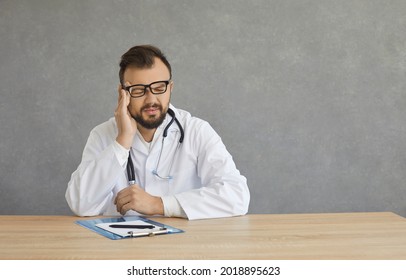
(141, 57)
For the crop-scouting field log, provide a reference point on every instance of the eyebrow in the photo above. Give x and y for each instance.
(147, 84)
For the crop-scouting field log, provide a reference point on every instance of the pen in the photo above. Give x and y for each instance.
(132, 226)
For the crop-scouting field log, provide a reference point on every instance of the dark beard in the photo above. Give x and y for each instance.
(150, 123)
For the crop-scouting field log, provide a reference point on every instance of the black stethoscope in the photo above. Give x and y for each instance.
(130, 165)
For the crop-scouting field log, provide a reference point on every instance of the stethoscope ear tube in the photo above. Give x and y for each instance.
(130, 170)
(172, 114)
(182, 133)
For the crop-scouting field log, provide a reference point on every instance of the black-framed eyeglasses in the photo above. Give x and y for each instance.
(139, 90)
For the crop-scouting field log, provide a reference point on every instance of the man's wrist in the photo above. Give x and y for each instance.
(159, 206)
(172, 207)
(121, 153)
(124, 141)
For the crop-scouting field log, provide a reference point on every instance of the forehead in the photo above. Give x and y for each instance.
(157, 72)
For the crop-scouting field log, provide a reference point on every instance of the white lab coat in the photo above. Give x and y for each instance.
(205, 183)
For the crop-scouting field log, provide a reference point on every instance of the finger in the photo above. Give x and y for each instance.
(126, 94)
(121, 202)
(120, 195)
(126, 196)
(128, 189)
(124, 204)
(123, 198)
(125, 209)
(116, 199)
(119, 89)
(122, 103)
(119, 207)
(120, 99)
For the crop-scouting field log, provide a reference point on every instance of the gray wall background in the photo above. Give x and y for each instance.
(309, 96)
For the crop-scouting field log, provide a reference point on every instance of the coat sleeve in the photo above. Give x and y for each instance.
(90, 189)
(224, 190)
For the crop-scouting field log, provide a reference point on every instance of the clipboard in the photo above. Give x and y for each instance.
(102, 227)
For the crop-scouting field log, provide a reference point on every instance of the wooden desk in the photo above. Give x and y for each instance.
(293, 236)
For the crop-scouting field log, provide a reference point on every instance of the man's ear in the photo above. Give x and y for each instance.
(171, 86)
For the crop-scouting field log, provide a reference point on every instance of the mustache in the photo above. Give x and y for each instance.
(151, 105)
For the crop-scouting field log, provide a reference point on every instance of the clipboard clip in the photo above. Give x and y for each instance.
(149, 234)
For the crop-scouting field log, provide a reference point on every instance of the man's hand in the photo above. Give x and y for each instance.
(135, 198)
(127, 126)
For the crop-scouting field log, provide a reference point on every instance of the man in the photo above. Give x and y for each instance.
(181, 168)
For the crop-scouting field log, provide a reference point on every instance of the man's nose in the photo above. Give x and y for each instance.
(149, 95)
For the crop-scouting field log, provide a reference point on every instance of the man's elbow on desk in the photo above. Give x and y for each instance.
(220, 208)
(82, 209)
(84, 212)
